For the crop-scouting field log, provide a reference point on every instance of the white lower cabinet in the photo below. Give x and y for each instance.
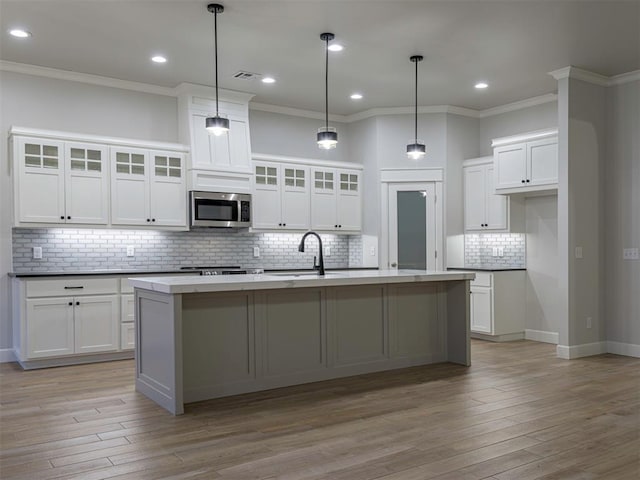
(497, 305)
(127, 336)
(127, 317)
(62, 320)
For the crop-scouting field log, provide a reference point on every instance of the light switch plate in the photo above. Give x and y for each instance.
(372, 251)
(578, 252)
(630, 254)
(256, 252)
(327, 251)
(131, 251)
(494, 252)
(37, 253)
(501, 251)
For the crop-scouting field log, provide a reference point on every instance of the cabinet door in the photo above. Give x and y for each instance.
(127, 336)
(49, 327)
(127, 308)
(96, 323)
(324, 199)
(86, 183)
(349, 208)
(167, 189)
(40, 181)
(129, 187)
(239, 148)
(481, 312)
(496, 216)
(542, 161)
(266, 196)
(295, 197)
(510, 162)
(474, 197)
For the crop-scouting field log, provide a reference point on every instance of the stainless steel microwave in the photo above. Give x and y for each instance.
(212, 209)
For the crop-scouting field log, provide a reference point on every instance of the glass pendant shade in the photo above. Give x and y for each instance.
(217, 125)
(416, 151)
(327, 138)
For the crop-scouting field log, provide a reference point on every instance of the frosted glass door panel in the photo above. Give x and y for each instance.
(412, 230)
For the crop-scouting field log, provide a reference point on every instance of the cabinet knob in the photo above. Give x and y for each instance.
(153, 219)
(335, 226)
(279, 224)
(528, 180)
(284, 224)
(148, 219)
(339, 226)
(68, 217)
(77, 303)
(522, 181)
(61, 217)
(70, 303)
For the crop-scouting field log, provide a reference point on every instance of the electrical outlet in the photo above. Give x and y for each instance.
(630, 254)
(256, 252)
(327, 251)
(494, 252)
(501, 251)
(131, 251)
(372, 251)
(37, 253)
(578, 252)
(588, 322)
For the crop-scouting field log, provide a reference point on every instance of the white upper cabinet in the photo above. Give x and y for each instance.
(336, 201)
(281, 196)
(60, 182)
(75, 179)
(483, 209)
(148, 187)
(217, 163)
(526, 163)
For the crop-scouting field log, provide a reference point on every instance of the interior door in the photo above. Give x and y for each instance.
(412, 226)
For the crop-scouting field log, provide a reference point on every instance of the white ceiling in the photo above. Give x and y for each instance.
(512, 44)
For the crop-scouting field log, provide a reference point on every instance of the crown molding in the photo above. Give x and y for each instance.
(376, 112)
(210, 92)
(85, 78)
(624, 78)
(519, 105)
(579, 74)
(306, 161)
(296, 112)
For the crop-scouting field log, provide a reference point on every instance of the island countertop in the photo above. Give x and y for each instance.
(266, 281)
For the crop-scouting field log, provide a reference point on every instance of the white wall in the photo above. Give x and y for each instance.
(622, 215)
(524, 120)
(279, 134)
(541, 220)
(30, 101)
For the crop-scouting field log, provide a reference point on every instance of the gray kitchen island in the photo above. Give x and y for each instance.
(199, 338)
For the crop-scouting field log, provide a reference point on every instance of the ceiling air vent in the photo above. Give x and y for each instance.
(242, 75)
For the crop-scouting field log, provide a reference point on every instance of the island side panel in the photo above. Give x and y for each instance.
(158, 323)
(458, 322)
(416, 323)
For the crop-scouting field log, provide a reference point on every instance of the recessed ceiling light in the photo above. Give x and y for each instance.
(158, 59)
(356, 96)
(268, 80)
(19, 33)
(335, 47)
(481, 85)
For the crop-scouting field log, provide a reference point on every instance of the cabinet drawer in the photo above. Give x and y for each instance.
(72, 286)
(482, 279)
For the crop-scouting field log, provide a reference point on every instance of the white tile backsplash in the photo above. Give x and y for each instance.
(79, 249)
(478, 250)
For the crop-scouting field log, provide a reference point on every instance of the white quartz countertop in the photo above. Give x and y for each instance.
(266, 281)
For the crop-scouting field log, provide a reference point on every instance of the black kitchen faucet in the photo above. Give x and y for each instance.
(320, 266)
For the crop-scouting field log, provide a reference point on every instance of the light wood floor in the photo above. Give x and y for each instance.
(518, 413)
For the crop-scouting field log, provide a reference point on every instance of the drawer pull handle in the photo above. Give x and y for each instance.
(73, 288)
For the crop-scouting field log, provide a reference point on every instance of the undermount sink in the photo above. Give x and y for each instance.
(304, 274)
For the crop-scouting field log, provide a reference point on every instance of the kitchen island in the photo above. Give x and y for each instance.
(199, 338)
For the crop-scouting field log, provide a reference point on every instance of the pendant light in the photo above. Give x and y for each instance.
(327, 136)
(416, 150)
(216, 125)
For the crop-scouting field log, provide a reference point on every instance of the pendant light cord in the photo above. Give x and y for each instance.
(416, 106)
(326, 84)
(215, 48)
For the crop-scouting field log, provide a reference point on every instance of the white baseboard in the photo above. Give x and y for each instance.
(507, 337)
(584, 350)
(541, 336)
(619, 348)
(7, 355)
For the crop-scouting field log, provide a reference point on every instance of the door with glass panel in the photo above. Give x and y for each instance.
(412, 226)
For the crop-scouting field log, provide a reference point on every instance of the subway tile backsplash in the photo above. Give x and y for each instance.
(86, 249)
(478, 250)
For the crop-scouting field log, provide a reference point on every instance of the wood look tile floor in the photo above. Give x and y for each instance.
(518, 413)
